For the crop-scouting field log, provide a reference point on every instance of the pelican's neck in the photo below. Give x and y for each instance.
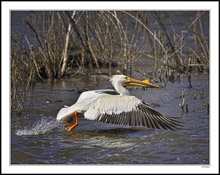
(120, 89)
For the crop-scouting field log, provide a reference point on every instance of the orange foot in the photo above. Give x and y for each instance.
(68, 122)
(71, 124)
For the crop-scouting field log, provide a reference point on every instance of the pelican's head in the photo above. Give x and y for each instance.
(121, 81)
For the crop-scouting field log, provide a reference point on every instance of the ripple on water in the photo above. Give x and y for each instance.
(105, 142)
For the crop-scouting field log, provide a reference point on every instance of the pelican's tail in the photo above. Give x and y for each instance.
(65, 113)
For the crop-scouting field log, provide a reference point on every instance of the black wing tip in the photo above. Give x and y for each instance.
(143, 117)
(161, 126)
(159, 121)
(177, 125)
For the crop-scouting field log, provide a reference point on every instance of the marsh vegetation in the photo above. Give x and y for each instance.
(60, 44)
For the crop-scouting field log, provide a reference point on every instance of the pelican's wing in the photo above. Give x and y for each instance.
(83, 103)
(128, 110)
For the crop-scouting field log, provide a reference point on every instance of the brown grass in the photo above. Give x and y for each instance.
(86, 41)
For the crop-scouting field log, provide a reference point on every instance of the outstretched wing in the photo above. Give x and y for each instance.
(83, 103)
(128, 110)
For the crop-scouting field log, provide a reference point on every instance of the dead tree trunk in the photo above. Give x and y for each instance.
(65, 53)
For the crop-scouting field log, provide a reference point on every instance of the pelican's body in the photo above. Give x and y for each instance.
(83, 103)
(117, 107)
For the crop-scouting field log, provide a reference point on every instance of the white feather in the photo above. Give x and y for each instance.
(82, 104)
(112, 104)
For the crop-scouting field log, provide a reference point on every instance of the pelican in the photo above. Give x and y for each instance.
(117, 107)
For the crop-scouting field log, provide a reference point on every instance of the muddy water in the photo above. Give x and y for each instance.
(37, 138)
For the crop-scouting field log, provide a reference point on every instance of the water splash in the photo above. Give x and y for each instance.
(43, 126)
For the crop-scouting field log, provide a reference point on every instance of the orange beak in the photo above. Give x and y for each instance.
(144, 83)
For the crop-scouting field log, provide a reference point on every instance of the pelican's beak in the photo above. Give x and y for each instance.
(144, 83)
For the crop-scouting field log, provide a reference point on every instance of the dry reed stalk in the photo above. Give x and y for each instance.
(65, 54)
(202, 33)
(110, 57)
(20, 85)
(80, 37)
(185, 32)
(164, 29)
(32, 57)
(123, 39)
(162, 46)
(47, 45)
(105, 32)
(93, 55)
(111, 31)
(81, 67)
(183, 101)
(155, 55)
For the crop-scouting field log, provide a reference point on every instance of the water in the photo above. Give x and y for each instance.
(37, 138)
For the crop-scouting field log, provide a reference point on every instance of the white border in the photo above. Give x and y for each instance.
(214, 111)
(116, 5)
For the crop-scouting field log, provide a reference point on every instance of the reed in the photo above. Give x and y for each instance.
(22, 79)
(111, 37)
(178, 61)
(60, 44)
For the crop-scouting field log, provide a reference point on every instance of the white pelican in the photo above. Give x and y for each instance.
(117, 107)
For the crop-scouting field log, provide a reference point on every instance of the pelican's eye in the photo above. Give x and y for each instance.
(126, 78)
